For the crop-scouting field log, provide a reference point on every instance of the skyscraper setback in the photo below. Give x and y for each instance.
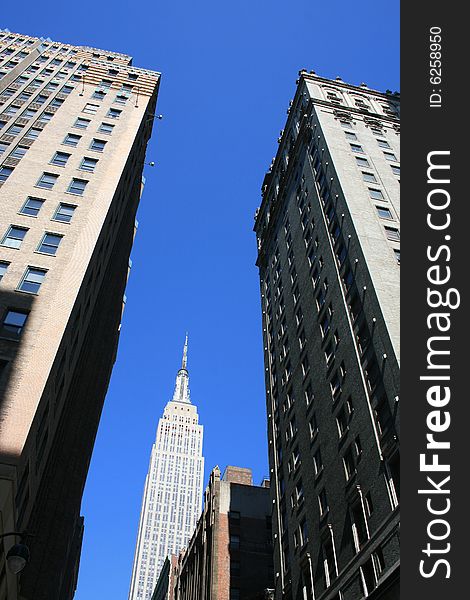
(172, 498)
(75, 122)
(328, 256)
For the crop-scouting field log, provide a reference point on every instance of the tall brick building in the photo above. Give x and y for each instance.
(328, 257)
(74, 126)
(229, 556)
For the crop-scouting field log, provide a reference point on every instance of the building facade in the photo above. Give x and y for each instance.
(164, 590)
(328, 256)
(229, 556)
(171, 502)
(74, 126)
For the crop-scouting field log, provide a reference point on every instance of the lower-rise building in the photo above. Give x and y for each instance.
(229, 556)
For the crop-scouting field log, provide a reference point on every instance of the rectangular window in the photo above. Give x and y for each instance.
(60, 159)
(383, 143)
(13, 324)
(317, 463)
(3, 147)
(362, 162)
(77, 186)
(376, 194)
(88, 164)
(64, 213)
(98, 94)
(90, 108)
(81, 123)
(47, 181)
(322, 502)
(71, 139)
(97, 145)
(18, 152)
(14, 130)
(50, 243)
(120, 99)
(357, 148)
(397, 254)
(392, 233)
(32, 206)
(234, 542)
(3, 269)
(384, 213)
(29, 113)
(106, 128)
(32, 134)
(114, 113)
(32, 280)
(390, 156)
(14, 237)
(396, 170)
(369, 177)
(350, 135)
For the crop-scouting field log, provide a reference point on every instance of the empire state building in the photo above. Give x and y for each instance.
(171, 502)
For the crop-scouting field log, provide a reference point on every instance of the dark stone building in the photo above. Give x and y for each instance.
(328, 257)
(229, 556)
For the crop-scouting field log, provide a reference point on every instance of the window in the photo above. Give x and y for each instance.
(5, 173)
(350, 135)
(392, 233)
(64, 213)
(14, 237)
(50, 243)
(67, 89)
(32, 206)
(28, 113)
(90, 108)
(323, 502)
(88, 164)
(234, 514)
(81, 123)
(19, 152)
(3, 147)
(317, 463)
(369, 177)
(357, 148)
(390, 156)
(40, 99)
(397, 254)
(121, 99)
(235, 542)
(235, 568)
(14, 130)
(13, 324)
(97, 145)
(46, 117)
(77, 186)
(384, 213)
(72, 139)
(47, 181)
(376, 194)
(32, 134)
(132, 76)
(106, 128)
(325, 324)
(344, 417)
(396, 170)
(3, 269)
(362, 162)
(98, 94)
(32, 280)
(60, 159)
(383, 143)
(114, 113)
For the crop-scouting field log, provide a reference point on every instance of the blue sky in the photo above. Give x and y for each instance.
(229, 71)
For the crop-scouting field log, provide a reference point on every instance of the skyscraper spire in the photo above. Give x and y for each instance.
(182, 378)
(185, 353)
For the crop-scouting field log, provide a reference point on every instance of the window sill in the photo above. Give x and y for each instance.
(43, 253)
